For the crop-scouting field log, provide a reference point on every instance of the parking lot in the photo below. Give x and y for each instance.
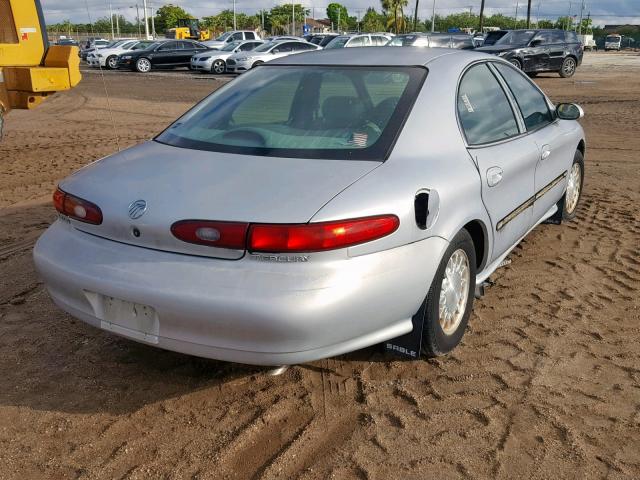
(546, 383)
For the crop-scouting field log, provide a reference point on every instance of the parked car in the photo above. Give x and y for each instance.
(441, 40)
(278, 38)
(492, 37)
(216, 61)
(322, 39)
(317, 205)
(588, 43)
(92, 45)
(108, 57)
(536, 51)
(232, 36)
(243, 61)
(359, 40)
(162, 54)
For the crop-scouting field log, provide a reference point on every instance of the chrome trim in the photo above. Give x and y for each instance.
(530, 201)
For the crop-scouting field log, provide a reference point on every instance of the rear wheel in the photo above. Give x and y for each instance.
(218, 67)
(112, 62)
(568, 67)
(143, 65)
(570, 200)
(450, 298)
(516, 63)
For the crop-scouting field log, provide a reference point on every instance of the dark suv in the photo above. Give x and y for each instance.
(537, 51)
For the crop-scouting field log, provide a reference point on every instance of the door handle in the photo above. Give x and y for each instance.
(546, 151)
(494, 176)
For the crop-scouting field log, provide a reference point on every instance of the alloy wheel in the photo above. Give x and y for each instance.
(143, 65)
(454, 292)
(219, 67)
(569, 67)
(573, 189)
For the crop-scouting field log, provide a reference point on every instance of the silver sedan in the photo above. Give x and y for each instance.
(322, 203)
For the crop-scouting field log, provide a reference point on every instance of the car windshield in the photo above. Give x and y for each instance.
(350, 113)
(493, 37)
(143, 45)
(516, 37)
(338, 42)
(223, 37)
(612, 39)
(230, 47)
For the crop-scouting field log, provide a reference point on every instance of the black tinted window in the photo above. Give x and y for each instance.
(483, 107)
(186, 46)
(544, 38)
(531, 102)
(285, 47)
(168, 46)
(557, 36)
(571, 37)
(236, 36)
(250, 36)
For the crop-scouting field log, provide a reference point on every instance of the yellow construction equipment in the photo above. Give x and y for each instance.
(188, 28)
(30, 69)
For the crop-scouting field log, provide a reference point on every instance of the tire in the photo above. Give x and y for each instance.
(516, 63)
(143, 65)
(112, 62)
(256, 64)
(568, 68)
(218, 67)
(571, 199)
(441, 336)
(532, 74)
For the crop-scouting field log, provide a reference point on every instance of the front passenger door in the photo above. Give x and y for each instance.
(506, 160)
(536, 55)
(166, 54)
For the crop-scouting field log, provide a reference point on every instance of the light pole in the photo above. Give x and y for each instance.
(293, 17)
(111, 17)
(433, 17)
(481, 16)
(516, 22)
(146, 19)
(137, 18)
(235, 27)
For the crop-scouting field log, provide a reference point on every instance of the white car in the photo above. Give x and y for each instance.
(215, 61)
(360, 40)
(108, 57)
(232, 36)
(243, 61)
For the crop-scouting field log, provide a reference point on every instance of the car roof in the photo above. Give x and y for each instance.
(386, 56)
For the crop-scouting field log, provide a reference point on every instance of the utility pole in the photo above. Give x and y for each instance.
(481, 15)
(580, 24)
(516, 21)
(568, 16)
(262, 14)
(118, 24)
(293, 17)
(528, 13)
(538, 16)
(415, 17)
(153, 23)
(433, 17)
(146, 20)
(138, 20)
(234, 15)
(111, 17)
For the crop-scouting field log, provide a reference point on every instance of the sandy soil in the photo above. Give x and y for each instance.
(545, 385)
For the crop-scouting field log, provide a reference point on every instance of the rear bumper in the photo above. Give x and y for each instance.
(246, 310)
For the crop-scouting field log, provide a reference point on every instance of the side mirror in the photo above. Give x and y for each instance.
(536, 43)
(569, 111)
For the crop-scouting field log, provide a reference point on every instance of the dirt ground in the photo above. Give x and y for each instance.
(546, 383)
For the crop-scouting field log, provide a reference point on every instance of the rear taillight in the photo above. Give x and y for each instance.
(314, 237)
(77, 208)
(214, 234)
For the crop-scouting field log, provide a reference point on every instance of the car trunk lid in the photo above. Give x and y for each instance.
(178, 184)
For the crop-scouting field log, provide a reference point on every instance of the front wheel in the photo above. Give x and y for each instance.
(569, 202)
(450, 299)
(143, 65)
(218, 67)
(516, 63)
(256, 64)
(568, 67)
(112, 62)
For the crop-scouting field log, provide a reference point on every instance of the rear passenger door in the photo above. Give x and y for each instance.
(557, 49)
(505, 157)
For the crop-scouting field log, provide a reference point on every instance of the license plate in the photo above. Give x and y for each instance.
(130, 319)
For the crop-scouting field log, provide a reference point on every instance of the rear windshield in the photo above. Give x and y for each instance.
(351, 113)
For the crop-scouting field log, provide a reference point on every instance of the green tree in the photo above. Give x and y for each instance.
(168, 15)
(338, 15)
(395, 14)
(373, 21)
(280, 17)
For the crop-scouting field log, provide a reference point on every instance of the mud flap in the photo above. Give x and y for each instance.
(409, 345)
(556, 218)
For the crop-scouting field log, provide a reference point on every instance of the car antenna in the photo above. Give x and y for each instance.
(104, 83)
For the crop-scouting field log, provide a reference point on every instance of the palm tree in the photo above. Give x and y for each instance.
(395, 8)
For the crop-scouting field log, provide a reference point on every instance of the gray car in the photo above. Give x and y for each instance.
(319, 204)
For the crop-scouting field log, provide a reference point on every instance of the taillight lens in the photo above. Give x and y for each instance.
(314, 237)
(77, 208)
(214, 234)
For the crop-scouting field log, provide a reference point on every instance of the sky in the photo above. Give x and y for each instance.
(602, 11)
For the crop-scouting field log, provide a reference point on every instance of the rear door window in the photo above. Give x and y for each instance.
(168, 46)
(483, 108)
(250, 35)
